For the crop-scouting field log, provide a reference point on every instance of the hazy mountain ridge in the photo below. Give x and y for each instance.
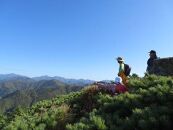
(9, 83)
(38, 91)
(65, 80)
(17, 90)
(9, 77)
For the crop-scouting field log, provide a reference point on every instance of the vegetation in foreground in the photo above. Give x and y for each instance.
(147, 105)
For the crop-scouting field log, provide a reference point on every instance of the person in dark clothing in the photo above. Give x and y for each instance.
(153, 56)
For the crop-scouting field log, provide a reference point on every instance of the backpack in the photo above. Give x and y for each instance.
(127, 70)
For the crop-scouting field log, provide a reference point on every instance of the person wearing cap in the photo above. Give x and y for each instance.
(153, 56)
(121, 72)
(120, 88)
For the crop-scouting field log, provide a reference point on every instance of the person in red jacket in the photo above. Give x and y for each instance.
(120, 88)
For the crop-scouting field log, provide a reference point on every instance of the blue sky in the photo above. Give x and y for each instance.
(82, 38)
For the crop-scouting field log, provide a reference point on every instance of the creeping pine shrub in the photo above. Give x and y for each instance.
(3, 121)
(95, 122)
(147, 106)
(78, 126)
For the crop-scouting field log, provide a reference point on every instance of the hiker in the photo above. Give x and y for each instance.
(120, 88)
(153, 56)
(106, 87)
(124, 70)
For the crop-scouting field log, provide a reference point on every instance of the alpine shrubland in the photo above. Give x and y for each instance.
(147, 106)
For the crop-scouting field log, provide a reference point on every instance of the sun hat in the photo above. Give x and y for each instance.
(120, 59)
(118, 80)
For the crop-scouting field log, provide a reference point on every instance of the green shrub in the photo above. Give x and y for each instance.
(147, 106)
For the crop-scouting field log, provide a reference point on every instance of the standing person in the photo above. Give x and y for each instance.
(124, 70)
(153, 56)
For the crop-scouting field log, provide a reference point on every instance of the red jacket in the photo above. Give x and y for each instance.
(120, 88)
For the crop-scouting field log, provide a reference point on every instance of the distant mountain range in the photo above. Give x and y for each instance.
(65, 80)
(10, 77)
(17, 90)
(7, 77)
(19, 95)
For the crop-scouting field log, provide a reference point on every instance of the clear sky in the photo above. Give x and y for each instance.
(82, 38)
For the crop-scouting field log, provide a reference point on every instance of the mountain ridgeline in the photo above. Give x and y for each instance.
(147, 106)
(16, 90)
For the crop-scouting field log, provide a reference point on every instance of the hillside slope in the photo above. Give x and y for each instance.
(38, 91)
(147, 106)
(9, 83)
(10, 86)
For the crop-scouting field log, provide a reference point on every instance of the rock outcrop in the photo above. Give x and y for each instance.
(163, 66)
